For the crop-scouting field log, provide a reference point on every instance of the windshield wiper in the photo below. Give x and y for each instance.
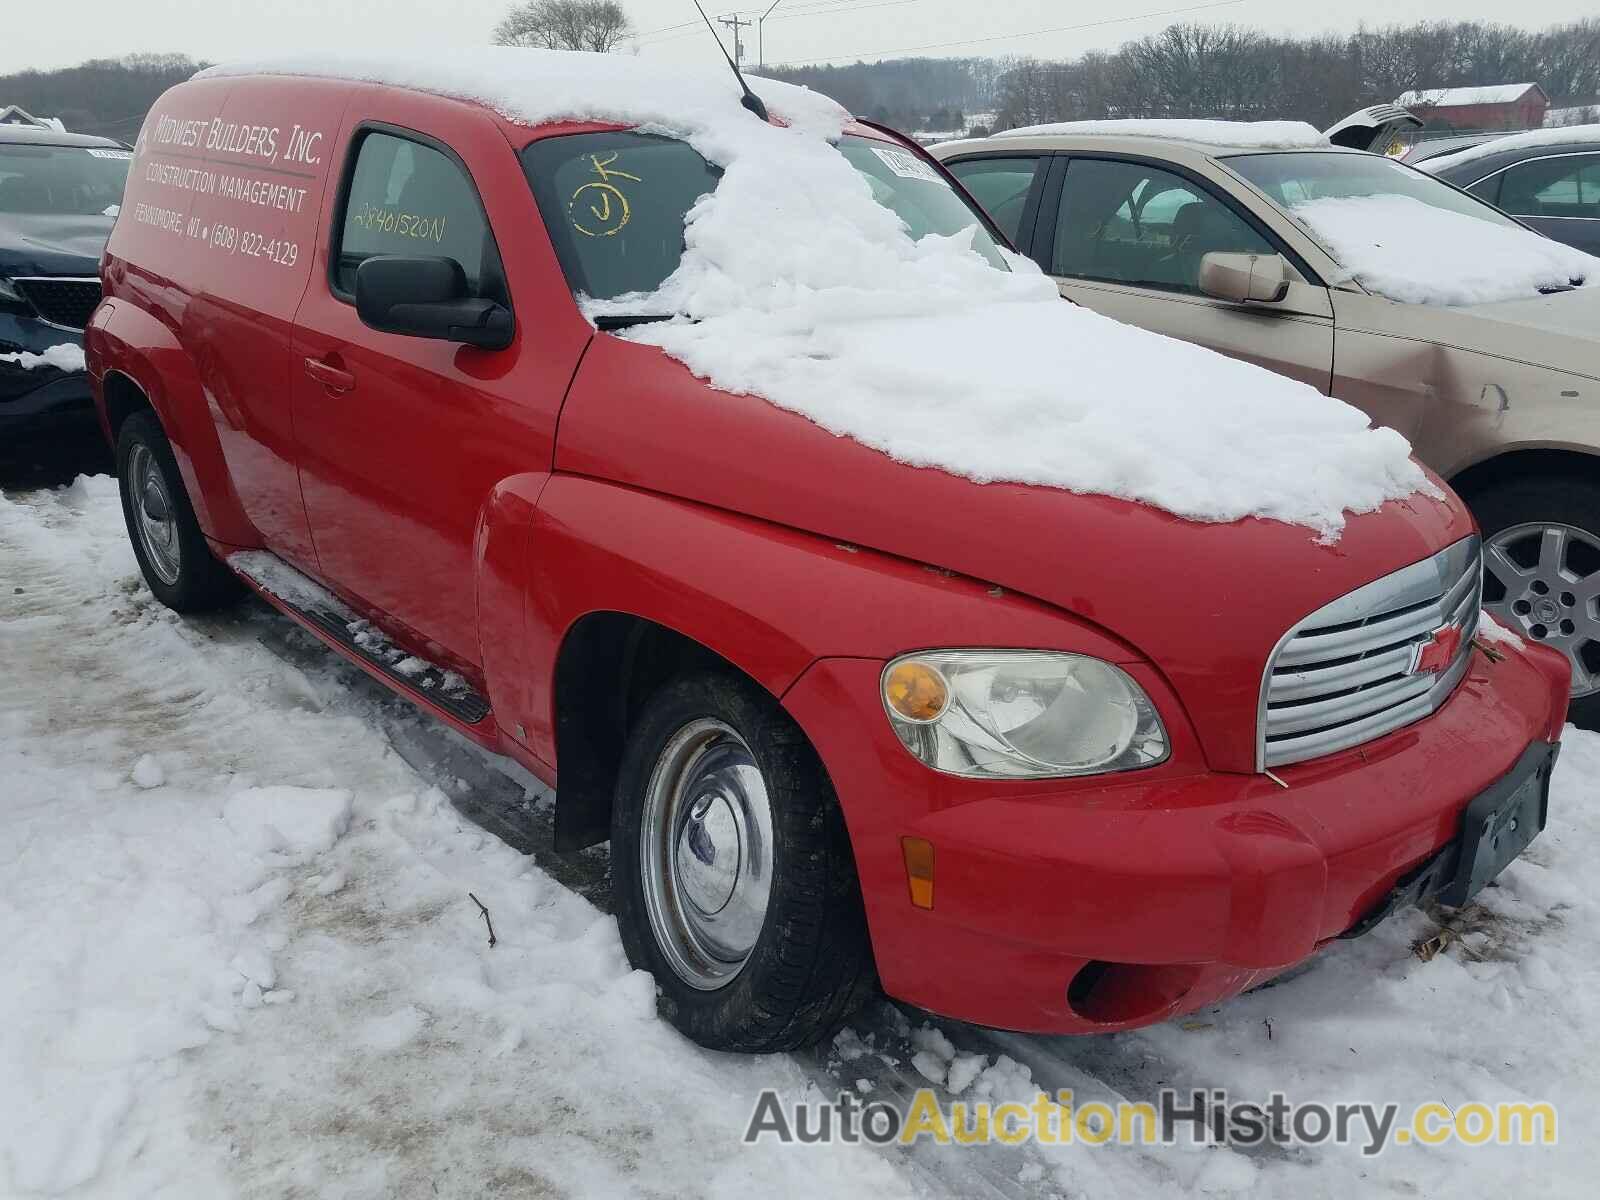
(613, 321)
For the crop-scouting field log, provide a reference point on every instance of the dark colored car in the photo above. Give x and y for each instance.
(59, 196)
(1552, 186)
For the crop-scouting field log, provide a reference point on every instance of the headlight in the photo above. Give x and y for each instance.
(8, 291)
(1020, 714)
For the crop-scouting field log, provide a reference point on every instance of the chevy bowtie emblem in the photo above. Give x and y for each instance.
(1437, 653)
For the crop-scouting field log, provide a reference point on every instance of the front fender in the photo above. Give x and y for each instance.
(123, 339)
(769, 599)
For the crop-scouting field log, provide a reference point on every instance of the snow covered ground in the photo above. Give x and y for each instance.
(240, 958)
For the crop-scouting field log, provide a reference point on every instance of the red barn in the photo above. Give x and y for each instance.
(1499, 106)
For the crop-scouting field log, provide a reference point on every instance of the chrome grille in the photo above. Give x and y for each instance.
(67, 301)
(1344, 675)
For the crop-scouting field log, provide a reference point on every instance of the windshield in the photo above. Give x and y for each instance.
(615, 203)
(62, 180)
(1294, 179)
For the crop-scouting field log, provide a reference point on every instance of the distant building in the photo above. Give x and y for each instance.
(13, 114)
(1499, 106)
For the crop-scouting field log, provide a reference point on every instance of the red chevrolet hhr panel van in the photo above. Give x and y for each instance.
(1029, 756)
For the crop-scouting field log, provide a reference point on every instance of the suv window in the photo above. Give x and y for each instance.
(1001, 185)
(408, 198)
(615, 203)
(1130, 223)
(1568, 186)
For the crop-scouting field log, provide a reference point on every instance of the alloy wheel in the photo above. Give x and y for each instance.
(1543, 580)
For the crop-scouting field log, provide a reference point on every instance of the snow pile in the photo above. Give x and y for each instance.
(240, 957)
(1252, 135)
(798, 287)
(1560, 135)
(68, 356)
(1412, 252)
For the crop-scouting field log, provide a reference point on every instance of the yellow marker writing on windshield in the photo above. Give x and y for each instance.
(600, 202)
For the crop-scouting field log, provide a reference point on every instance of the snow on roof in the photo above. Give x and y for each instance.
(798, 287)
(534, 87)
(1410, 251)
(1261, 135)
(1458, 97)
(1513, 141)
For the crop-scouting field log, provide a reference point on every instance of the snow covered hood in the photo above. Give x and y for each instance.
(1247, 135)
(1562, 135)
(921, 349)
(1410, 251)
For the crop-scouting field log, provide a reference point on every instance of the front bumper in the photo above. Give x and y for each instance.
(1157, 892)
(41, 399)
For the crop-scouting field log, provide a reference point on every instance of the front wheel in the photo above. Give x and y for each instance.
(172, 552)
(1541, 573)
(731, 867)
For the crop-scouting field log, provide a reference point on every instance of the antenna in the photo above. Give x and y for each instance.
(751, 101)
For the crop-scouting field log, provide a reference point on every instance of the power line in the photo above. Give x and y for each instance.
(1003, 37)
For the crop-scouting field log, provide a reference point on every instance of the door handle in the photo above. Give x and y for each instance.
(335, 379)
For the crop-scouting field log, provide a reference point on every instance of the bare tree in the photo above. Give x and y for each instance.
(597, 25)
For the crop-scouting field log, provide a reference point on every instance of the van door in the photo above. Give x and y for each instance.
(258, 171)
(404, 439)
(1126, 239)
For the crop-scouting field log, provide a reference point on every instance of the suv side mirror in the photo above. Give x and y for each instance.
(1244, 278)
(427, 297)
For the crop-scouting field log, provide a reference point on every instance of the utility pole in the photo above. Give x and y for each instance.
(761, 35)
(736, 23)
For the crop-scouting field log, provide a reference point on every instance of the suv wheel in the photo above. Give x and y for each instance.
(1542, 573)
(732, 872)
(172, 552)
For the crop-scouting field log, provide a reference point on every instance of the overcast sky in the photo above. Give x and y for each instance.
(54, 33)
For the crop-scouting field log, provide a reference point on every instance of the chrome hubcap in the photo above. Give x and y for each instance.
(154, 520)
(705, 852)
(1543, 580)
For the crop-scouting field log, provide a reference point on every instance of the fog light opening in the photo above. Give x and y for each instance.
(1115, 993)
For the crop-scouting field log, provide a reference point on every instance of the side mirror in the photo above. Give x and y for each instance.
(427, 297)
(1244, 278)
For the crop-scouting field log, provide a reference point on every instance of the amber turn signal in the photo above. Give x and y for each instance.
(919, 869)
(916, 691)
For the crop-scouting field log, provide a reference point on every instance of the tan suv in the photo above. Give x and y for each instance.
(1211, 243)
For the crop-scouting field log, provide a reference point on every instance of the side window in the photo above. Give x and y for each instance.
(1488, 190)
(1001, 186)
(1568, 186)
(1130, 223)
(408, 198)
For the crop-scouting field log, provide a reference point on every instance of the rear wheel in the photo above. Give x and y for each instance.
(732, 872)
(172, 552)
(1542, 573)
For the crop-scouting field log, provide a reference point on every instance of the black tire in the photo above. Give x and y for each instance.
(1559, 500)
(812, 962)
(201, 582)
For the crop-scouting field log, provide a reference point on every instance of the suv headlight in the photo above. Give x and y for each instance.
(1020, 714)
(8, 291)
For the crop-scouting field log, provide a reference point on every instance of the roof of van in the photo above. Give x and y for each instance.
(538, 87)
